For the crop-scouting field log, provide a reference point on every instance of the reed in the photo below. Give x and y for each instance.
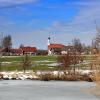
(96, 74)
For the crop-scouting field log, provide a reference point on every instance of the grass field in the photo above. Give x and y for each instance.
(9, 63)
(35, 58)
(38, 63)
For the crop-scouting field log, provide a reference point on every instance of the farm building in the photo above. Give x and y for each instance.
(18, 51)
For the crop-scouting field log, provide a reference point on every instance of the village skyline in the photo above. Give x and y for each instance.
(31, 22)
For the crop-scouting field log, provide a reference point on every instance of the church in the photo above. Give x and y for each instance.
(57, 49)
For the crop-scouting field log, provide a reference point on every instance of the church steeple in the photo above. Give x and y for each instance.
(48, 40)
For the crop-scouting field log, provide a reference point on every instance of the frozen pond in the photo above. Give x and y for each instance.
(40, 90)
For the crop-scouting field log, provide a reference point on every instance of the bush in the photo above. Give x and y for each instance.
(1, 76)
(46, 77)
(86, 78)
(64, 77)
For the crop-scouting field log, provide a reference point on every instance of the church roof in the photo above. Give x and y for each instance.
(56, 46)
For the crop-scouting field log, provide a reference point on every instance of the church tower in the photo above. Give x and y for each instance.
(48, 44)
(48, 41)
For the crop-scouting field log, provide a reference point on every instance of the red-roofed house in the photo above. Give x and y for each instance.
(16, 52)
(19, 51)
(29, 50)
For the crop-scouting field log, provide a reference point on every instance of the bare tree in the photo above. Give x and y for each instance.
(26, 62)
(1, 39)
(69, 62)
(77, 45)
(65, 62)
(75, 60)
(0, 63)
(21, 45)
(97, 38)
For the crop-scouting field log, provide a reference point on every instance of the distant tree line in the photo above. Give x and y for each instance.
(80, 47)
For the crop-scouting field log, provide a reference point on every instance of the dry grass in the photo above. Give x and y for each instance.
(96, 74)
(96, 80)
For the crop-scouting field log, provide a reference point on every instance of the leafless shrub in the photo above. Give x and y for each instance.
(46, 77)
(26, 62)
(68, 62)
(96, 74)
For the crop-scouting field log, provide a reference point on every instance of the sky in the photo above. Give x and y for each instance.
(31, 22)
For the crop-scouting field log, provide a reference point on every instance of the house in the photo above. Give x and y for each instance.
(67, 49)
(19, 51)
(5, 51)
(16, 52)
(94, 51)
(29, 50)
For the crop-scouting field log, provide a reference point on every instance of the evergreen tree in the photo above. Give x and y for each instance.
(7, 42)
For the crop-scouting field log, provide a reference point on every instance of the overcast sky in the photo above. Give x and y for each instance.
(30, 22)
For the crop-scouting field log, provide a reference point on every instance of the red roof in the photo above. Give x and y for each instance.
(55, 46)
(29, 49)
(1, 49)
(18, 51)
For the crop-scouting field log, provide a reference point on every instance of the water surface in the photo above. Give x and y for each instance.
(40, 90)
